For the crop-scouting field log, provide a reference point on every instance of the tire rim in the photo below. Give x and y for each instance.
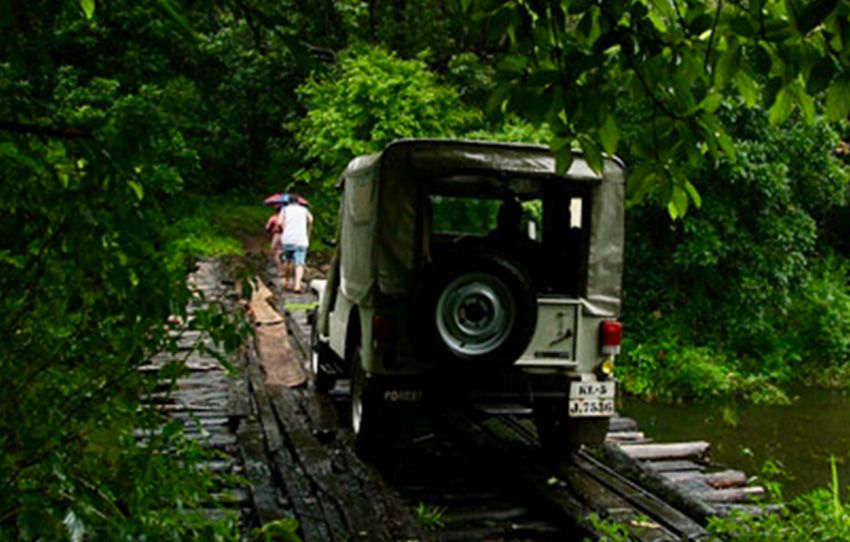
(475, 314)
(314, 351)
(357, 382)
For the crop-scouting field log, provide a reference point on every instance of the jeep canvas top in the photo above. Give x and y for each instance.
(476, 261)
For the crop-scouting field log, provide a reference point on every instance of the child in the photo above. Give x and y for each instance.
(275, 228)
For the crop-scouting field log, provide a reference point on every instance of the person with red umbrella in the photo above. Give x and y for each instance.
(296, 221)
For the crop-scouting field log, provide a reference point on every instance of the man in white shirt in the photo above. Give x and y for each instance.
(297, 222)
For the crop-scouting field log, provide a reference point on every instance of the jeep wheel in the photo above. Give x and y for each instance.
(366, 415)
(319, 359)
(480, 308)
(562, 434)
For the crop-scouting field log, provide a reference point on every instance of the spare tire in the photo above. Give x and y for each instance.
(477, 308)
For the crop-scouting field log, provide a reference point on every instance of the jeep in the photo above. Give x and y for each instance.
(475, 269)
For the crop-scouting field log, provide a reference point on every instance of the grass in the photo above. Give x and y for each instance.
(429, 517)
(300, 307)
(214, 226)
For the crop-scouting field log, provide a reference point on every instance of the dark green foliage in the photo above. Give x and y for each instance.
(571, 62)
(820, 515)
(112, 112)
(743, 278)
(369, 99)
(94, 159)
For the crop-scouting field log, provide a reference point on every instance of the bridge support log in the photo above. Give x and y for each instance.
(697, 450)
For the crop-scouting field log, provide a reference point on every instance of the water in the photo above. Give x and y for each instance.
(801, 437)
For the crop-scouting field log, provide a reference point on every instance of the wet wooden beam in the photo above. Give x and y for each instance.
(732, 495)
(674, 466)
(697, 450)
(307, 507)
(258, 472)
(360, 519)
(643, 500)
(718, 480)
(620, 423)
(638, 472)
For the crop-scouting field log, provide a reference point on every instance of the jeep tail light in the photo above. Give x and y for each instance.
(382, 329)
(611, 334)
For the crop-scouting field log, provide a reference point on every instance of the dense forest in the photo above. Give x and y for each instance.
(133, 133)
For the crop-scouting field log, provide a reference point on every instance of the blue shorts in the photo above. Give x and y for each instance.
(294, 253)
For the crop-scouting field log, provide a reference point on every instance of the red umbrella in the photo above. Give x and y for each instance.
(281, 198)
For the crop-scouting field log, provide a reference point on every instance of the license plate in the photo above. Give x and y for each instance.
(592, 399)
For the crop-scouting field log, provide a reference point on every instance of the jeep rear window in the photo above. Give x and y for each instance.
(464, 215)
(555, 217)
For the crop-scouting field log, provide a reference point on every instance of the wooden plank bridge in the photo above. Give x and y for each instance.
(467, 473)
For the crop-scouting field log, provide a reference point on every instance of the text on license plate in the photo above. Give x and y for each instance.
(592, 399)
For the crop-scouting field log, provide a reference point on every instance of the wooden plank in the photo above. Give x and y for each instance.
(356, 477)
(620, 423)
(610, 505)
(732, 495)
(361, 519)
(726, 478)
(674, 466)
(645, 501)
(392, 511)
(529, 474)
(268, 422)
(719, 480)
(239, 400)
(307, 505)
(627, 436)
(638, 472)
(258, 472)
(698, 450)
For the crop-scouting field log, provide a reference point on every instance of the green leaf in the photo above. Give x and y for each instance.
(562, 149)
(678, 205)
(10, 150)
(497, 98)
(748, 87)
(665, 7)
(781, 108)
(512, 64)
(137, 189)
(742, 26)
(820, 75)
(806, 104)
(658, 21)
(88, 8)
(711, 102)
(610, 135)
(640, 181)
(726, 144)
(728, 65)
(813, 14)
(592, 153)
(838, 99)
(692, 192)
